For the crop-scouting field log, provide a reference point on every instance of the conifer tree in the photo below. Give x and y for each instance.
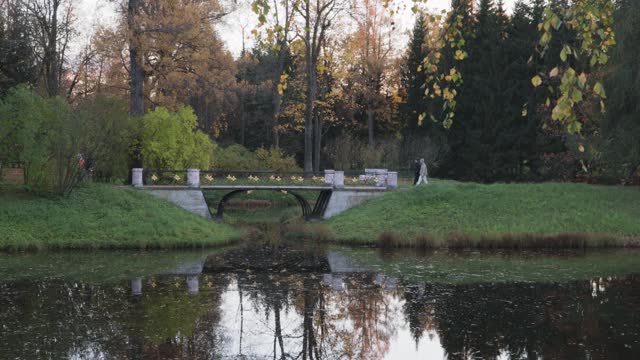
(621, 124)
(413, 78)
(17, 53)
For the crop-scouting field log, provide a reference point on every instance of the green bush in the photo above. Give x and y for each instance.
(23, 132)
(237, 157)
(109, 134)
(170, 140)
(43, 135)
(48, 138)
(274, 159)
(347, 152)
(234, 157)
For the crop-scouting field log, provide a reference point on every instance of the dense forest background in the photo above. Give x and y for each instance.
(350, 81)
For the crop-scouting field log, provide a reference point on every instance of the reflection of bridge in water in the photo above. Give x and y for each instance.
(334, 195)
(339, 268)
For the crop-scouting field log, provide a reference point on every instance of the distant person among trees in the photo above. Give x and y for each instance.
(416, 166)
(423, 173)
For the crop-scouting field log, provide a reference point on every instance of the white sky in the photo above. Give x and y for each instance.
(103, 12)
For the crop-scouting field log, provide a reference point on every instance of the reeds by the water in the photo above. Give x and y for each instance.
(460, 241)
(389, 240)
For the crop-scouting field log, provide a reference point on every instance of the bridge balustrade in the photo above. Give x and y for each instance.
(196, 178)
(337, 191)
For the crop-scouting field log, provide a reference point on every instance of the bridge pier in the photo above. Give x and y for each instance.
(190, 199)
(342, 200)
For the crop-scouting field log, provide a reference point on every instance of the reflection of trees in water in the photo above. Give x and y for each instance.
(418, 311)
(58, 319)
(51, 320)
(316, 316)
(365, 315)
(353, 322)
(555, 321)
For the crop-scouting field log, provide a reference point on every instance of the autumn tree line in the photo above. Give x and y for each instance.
(325, 84)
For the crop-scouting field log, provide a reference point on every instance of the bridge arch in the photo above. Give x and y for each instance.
(308, 212)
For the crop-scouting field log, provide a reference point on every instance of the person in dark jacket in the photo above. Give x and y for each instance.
(416, 167)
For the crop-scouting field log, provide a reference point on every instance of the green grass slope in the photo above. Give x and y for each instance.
(444, 208)
(99, 216)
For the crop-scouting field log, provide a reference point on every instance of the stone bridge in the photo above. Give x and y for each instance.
(334, 196)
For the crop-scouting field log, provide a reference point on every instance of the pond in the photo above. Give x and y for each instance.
(308, 302)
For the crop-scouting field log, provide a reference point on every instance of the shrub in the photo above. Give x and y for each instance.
(237, 157)
(348, 152)
(234, 157)
(23, 132)
(45, 136)
(274, 159)
(170, 140)
(109, 134)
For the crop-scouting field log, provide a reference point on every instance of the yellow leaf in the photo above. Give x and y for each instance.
(536, 81)
(599, 90)
(554, 72)
(582, 80)
(581, 148)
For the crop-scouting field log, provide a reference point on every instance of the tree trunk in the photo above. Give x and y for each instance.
(52, 53)
(276, 114)
(370, 119)
(317, 143)
(277, 98)
(136, 104)
(136, 74)
(308, 130)
(311, 94)
(243, 125)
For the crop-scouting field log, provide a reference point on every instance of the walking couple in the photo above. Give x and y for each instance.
(420, 172)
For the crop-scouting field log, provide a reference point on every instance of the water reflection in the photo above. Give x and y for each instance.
(311, 310)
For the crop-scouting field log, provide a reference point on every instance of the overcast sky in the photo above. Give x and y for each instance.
(103, 12)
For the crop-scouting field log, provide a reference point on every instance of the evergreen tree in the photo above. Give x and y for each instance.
(491, 141)
(462, 12)
(17, 53)
(413, 79)
(420, 139)
(621, 125)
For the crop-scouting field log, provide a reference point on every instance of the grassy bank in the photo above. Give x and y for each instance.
(101, 216)
(454, 214)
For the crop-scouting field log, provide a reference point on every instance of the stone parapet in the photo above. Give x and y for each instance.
(392, 179)
(338, 179)
(193, 178)
(136, 177)
(328, 177)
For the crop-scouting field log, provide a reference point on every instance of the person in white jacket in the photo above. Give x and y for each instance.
(423, 173)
